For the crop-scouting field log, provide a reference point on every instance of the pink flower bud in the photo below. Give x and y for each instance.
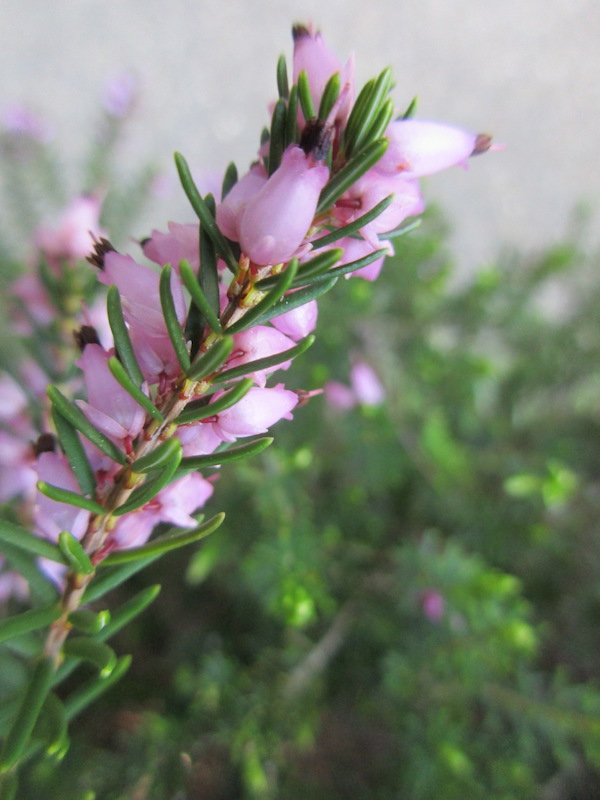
(276, 221)
(420, 148)
(313, 55)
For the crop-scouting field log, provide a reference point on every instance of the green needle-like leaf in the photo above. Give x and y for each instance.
(90, 691)
(352, 266)
(305, 97)
(88, 621)
(159, 458)
(75, 453)
(284, 282)
(143, 494)
(166, 543)
(299, 298)
(277, 137)
(381, 121)
(20, 537)
(369, 114)
(173, 327)
(196, 413)
(402, 230)
(27, 621)
(120, 374)
(266, 362)
(54, 724)
(31, 705)
(362, 161)
(97, 653)
(291, 122)
(229, 179)
(121, 336)
(78, 559)
(208, 272)
(203, 212)
(193, 463)
(330, 95)
(79, 421)
(130, 610)
(112, 578)
(206, 363)
(199, 299)
(71, 498)
(282, 77)
(316, 266)
(353, 227)
(412, 107)
(9, 786)
(358, 110)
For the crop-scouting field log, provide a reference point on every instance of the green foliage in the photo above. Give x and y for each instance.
(407, 602)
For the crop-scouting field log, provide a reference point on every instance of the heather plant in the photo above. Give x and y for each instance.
(366, 631)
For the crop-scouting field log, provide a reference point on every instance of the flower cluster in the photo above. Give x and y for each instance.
(174, 375)
(333, 184)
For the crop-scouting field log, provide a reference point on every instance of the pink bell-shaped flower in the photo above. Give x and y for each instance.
(298, 322)
(261, 341)
(276, 221)
(255, 412)
(313, 55)
(231, 210)
(109, 407)
(418, 147)
(73, 237)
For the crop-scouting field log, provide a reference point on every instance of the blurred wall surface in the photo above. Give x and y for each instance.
(524, 70)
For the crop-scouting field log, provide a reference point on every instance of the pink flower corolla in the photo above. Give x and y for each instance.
(198, 439)
(276, 221)
(298, 322)
(365, 389)
(30, 290)
(261, 341)
(433, 605)
(313, 55)
(139, 289)
(359, 248)
(73, 237)
(120, 94)
(369, 190)
(173, 505)
(231, 210)
(22, 121)
(418, 147)
(52, 517)
(254, 413)
(170, 248)
(109, 407)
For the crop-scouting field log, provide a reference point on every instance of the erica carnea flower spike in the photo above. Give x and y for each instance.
(182, 371)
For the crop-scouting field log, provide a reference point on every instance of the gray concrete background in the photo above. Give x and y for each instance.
(524, 70)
